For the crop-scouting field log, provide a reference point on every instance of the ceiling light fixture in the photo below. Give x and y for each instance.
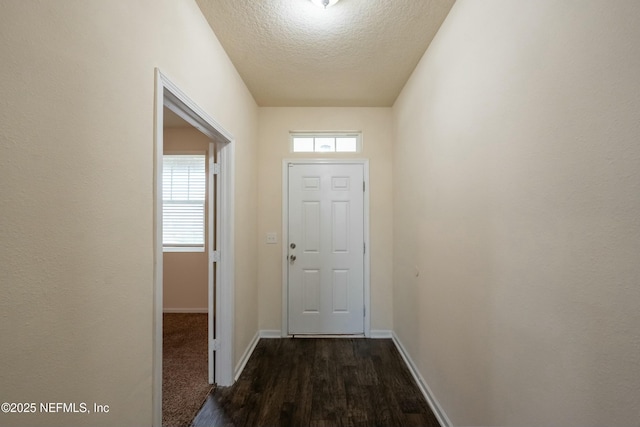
(324, 3)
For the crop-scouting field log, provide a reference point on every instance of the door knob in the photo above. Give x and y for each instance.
(292, 258)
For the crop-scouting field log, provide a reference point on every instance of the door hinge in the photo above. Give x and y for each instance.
(363, 186)
(364, 248)
(364, 311)
(215, 168)
(215, 345)
(214, 256)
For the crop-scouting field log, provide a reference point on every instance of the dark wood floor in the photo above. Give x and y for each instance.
(320, 383)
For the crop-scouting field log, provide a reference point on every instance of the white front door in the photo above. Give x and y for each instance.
(325, 248)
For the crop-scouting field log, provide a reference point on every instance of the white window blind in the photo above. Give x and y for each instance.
(183, 200)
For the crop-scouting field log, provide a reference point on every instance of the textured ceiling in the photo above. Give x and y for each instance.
(356, 53)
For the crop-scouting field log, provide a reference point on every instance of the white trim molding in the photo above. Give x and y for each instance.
(381, 334)
(270, 333)
(246, 356)
(422, 384)
(285, 238)
(266, 334)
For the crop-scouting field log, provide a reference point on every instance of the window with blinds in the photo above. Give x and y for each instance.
(183, 202)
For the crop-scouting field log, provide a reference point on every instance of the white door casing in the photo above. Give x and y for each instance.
(325, 236)
(212, 277)
(169, 95)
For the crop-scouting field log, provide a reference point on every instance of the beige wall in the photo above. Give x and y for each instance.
(185, 274)
(515, 205)
(517, 200)
(76, 167)
(274, 127)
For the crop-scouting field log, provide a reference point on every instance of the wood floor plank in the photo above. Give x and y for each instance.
(322, 382)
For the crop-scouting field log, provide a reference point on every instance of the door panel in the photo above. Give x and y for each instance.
(326, 242)
(340, 227)
(340, 291)
(311, 284)
(311, 227)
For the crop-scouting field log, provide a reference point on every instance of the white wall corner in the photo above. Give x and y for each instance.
(245, 356)
(442, 417)
(381, 334)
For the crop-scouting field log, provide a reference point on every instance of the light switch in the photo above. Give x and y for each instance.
(272, 238)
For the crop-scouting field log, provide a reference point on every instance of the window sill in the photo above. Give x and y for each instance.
(183, 249)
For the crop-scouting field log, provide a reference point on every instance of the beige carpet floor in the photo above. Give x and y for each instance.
(184, 370)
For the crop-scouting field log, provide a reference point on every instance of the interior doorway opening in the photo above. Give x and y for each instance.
(188, 235)
(218, 251)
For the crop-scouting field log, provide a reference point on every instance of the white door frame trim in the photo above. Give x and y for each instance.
(169, 95)
(285, 237)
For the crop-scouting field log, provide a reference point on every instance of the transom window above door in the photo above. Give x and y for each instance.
(326, 142)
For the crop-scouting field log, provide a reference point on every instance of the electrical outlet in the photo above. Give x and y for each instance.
(272, 238)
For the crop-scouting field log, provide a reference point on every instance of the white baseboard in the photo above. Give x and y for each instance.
(265, 333)
(245, 356)
(375, 334)
(270, 333)
(381, 334)
(185, 310)
(422, 384)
